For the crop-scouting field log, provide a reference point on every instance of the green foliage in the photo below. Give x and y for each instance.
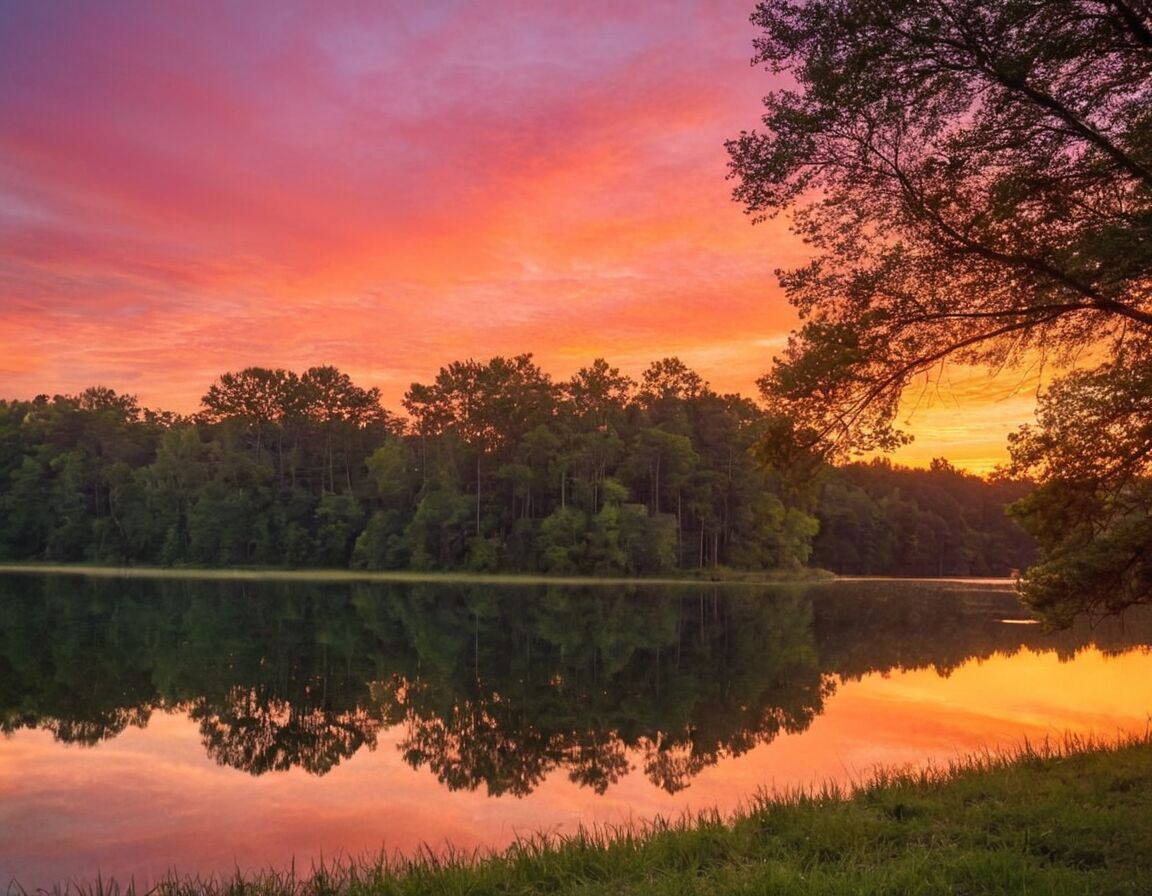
(382, 544)
(648, 542)
(437, 533)
(562, 540)
(391, 468)
(483, 554)
(1091, 514)
(500, 468)
(592, 476)
(340, 519)
(879, 519)
(795, 538)
(975, 181)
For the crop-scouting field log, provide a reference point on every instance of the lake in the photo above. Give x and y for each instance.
(215, 725)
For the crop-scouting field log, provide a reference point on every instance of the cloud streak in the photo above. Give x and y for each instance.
(190, 188)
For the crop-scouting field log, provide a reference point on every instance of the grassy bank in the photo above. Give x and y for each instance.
(276, 573)
(1073, 819)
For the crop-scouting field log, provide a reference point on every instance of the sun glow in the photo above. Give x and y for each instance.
(385, 192)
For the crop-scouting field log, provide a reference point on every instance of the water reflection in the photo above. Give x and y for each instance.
(491, 688)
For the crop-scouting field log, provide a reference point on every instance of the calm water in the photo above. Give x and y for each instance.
(216, 725)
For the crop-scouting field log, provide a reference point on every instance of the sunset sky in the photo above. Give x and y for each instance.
(192, 188)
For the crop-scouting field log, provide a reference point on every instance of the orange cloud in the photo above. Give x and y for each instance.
(185, 192)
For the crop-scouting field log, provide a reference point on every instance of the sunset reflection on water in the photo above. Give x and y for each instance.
(151, 800)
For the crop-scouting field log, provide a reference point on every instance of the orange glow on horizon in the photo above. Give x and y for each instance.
(388, 191)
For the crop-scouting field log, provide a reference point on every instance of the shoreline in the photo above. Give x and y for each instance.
(1057, 818)
(320, 574)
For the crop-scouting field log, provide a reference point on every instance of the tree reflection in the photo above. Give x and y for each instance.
(469, 747)
(577, 678)
(596, 760)
(489, 688)
(92, 729)
(259, 733)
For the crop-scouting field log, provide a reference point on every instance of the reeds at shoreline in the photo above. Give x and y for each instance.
(1057, 817)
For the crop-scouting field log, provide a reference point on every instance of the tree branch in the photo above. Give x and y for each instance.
(1036, 265)
(898, 376)
(1134, 22)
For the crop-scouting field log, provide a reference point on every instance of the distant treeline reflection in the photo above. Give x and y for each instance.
(492, 687)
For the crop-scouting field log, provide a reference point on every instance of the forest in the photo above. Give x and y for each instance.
(493, 466)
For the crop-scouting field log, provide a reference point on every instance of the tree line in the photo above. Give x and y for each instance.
(880, 519)
(495, 466)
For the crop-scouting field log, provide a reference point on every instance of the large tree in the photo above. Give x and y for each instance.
(1091, 450)
(975, 180)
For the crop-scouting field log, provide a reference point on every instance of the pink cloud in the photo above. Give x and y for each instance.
(191, 188)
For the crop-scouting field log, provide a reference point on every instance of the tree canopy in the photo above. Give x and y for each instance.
(975, 181)
(498, 467)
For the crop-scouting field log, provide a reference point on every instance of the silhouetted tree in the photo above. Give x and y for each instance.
(975, 180)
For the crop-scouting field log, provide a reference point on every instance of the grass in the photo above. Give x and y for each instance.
(1069, 818)
(272, 574)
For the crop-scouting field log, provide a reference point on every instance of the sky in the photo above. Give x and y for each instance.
(190, 188)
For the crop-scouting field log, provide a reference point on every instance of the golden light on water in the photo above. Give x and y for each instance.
(156, 800)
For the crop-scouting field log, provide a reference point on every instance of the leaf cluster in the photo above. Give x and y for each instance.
(974, 178)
